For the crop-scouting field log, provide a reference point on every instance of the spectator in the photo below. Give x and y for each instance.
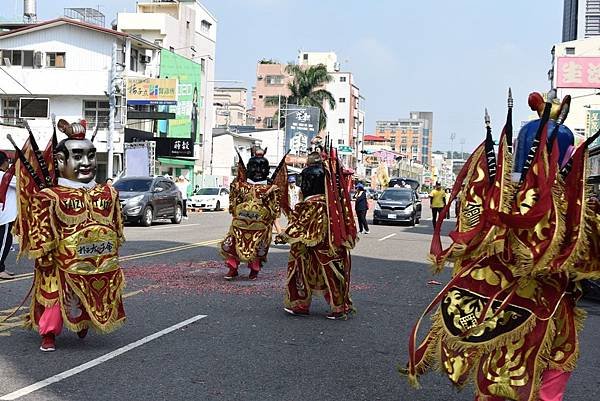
(8, 214)
(182, 185)
(361, 206)
(438, 201)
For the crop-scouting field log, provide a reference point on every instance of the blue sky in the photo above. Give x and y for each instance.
(451, 57)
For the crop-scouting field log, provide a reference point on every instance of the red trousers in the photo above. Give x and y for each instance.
(51, 321)
(554, 383)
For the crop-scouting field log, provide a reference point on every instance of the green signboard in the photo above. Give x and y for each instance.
(593, 125)
(188, 74)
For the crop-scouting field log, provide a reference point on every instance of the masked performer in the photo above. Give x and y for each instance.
(73, 228)
(507, 320)
(254, 203)
(321, 232)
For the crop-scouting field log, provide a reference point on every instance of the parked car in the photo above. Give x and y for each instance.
(397, 205)
(210, 199)
(145, 199)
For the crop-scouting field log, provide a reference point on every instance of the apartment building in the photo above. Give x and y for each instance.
(411, 137)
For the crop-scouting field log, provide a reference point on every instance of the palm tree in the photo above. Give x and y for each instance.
(306, 89)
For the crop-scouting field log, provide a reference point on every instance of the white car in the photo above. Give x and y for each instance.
(210, 199)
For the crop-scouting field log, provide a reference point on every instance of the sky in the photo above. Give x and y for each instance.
(454, 58)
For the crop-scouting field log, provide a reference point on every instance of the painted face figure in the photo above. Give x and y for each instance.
(76, 160)
(258, 168)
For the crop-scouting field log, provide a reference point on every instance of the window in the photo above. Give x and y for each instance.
(10, 111)
(96, 112)
(133, 60)
(187, 24)
(340, 141)
(55, 60)
(274, 79)
(202, 64)
(342, 79)
(305, 56)
(570, 50)
(205, 26)
(342, 121)
(260, 96)
(269, 122)
(403, 149)
(342, 100)
(34, 107)
(17, 58)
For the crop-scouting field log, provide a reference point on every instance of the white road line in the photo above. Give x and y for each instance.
(175, 226)
(94, 362)
(387, 237)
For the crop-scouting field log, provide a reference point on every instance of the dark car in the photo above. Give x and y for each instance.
(397, 205)
(145, 199)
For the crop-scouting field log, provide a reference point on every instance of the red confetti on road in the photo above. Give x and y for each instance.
(208, 277)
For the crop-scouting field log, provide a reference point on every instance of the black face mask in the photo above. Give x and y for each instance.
(258, 169)
(313, 180)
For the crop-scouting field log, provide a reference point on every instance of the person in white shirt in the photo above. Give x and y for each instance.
(8, 214)
(183, 184)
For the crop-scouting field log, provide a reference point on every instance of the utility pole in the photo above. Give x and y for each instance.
(278, 124)
(112, 102)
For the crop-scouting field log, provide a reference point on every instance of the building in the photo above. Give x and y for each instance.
(411, 137)
(187, 28)
(441, 170)
(345, 122)
(230, 105)
(63, 67)
(271, 82)
(581, 19)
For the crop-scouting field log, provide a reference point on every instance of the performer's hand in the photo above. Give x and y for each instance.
(279, 239)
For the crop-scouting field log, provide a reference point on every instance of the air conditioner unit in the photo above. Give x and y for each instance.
(145, 59)
(260, 77)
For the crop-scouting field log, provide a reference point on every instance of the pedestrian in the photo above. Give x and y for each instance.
(8, 214)
(182, 185)
(294, 198)
(459, 198)
(361, 206)
(447, 200)
(437, 198)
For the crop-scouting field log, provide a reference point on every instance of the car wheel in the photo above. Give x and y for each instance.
(217, 206)
(147, 217)
(177, 218)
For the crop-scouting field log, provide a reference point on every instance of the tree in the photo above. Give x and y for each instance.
(306, 89)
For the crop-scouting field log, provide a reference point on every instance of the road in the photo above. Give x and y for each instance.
(239, 344)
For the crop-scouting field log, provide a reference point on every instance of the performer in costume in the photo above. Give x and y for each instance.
(73, 229)
(507, 320)
(254, 203)
(321, 232)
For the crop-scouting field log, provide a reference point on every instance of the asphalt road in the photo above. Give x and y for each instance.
(241, 345)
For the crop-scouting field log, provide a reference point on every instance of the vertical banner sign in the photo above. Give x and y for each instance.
(592, 126)
(189, 91)
(301, 126)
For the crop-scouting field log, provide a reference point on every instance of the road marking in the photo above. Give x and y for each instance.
(387, 237)
(95, 362)
(175, 226)
(25, 276)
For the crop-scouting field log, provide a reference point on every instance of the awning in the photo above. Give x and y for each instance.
(177, 162)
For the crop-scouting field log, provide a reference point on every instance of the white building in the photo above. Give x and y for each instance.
(62, 67)
(581, 19)
(345, 123)
(187, 28)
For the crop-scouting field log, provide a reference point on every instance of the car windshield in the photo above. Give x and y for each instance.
(135, 185)
(395, 196)
(208, 191)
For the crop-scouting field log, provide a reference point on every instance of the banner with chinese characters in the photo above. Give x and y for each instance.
(578, 72)
(174, 147)
(592, 126)
(301, 126)
(145, 91)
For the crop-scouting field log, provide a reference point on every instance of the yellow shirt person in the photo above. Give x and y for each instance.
(438, 197)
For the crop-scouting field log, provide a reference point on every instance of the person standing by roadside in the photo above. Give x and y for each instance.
(8, 214)
(438, 201)
(361, 206)
(182, 185)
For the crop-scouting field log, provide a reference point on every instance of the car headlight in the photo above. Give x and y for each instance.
(377, 207)
(135, 199)
(409, 209)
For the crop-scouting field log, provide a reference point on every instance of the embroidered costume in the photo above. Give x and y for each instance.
(321, 233)
(254, 204)
(73, 229)
(507, 320)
